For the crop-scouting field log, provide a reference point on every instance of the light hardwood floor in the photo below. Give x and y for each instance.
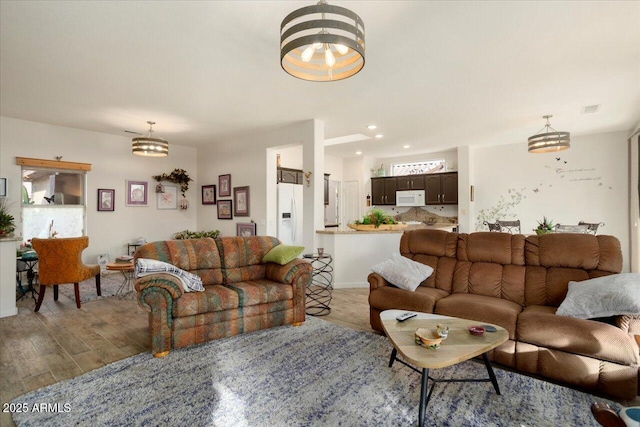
(61, 342)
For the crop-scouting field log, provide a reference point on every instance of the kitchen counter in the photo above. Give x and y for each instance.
(437, 226)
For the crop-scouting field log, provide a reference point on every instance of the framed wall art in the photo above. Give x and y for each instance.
(168, 199)
(241, 201)
(246, 229)
(224, 185)
(106, 198)
(3, 187)
(224, 209)
(208, 194)
(137, 193)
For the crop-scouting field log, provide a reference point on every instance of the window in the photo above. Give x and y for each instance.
(53, 201)
(415, 168)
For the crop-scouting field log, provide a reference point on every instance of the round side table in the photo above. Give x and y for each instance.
(126, 268)
(321, 286)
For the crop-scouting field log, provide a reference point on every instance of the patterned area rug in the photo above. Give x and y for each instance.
(109, 285)
(318, 374)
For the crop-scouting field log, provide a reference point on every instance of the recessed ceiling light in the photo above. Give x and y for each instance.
(379, 135)
(358, 152)
(406, 146)
(371, 127)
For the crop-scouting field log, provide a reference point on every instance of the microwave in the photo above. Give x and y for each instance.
(410, 198)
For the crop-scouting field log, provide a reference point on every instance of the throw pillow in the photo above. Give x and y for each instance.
(603, 296)
(403, 272)
(283, 254)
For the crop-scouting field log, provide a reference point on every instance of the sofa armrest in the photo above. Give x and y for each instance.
(289, 272)
(376, 281)
(160, 280)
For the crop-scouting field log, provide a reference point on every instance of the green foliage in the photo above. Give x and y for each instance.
(545, 224)
(376, 217)
(186, 234)
(178, 176)
(7, 221)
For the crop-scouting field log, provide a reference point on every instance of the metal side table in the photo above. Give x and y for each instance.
(321, 286)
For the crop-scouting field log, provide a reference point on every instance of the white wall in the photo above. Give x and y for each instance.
(588, 182)
(112, 164)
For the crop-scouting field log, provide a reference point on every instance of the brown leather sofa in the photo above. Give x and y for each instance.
(518, 282)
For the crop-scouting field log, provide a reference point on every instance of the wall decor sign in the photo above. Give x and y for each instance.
(106, 198)
(224, 209)
(137, 193)
(224, 185)
(241, 201)
(169, 198)
(208, 194)
(246, 229)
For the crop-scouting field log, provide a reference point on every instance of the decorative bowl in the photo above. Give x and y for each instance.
(427, 338)
(476, 330)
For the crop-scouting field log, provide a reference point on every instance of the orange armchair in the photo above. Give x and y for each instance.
(60, 262)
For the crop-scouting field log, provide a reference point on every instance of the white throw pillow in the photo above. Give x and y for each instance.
(403, 272)
(612, 295)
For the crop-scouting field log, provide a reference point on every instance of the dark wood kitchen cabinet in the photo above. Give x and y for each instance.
(383, 191)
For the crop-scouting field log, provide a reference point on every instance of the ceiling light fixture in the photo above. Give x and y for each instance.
(150, 146)
(550, 140)
(406, 146)
(358, 152)
(371, 127)
(379, 135)
(322, 43)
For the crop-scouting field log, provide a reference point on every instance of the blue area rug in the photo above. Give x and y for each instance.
(318, 374)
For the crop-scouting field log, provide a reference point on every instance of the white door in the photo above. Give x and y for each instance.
(351, 201)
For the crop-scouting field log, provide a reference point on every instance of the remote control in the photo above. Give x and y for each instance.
(405, 316)
(489, 328)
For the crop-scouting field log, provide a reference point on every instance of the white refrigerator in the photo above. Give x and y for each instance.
(290, 214)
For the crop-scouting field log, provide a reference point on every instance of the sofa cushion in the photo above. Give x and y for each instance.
(261, 291)
(243, 257)
(214, 298)
(390, 297)
(539, 325)
(611, 295)
(497, 248)
(481, 308)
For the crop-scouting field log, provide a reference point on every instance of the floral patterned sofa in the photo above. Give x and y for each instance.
(241, 292)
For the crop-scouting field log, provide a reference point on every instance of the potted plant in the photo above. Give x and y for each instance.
(376, 219)
(545, 226)
(7, 221)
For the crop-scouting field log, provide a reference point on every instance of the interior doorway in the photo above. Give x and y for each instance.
(332, 210)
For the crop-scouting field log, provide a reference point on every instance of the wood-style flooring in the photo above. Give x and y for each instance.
(61, 341)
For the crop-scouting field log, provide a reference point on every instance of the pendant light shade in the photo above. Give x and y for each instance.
(549, 140)
(150, 146)
(322, 43)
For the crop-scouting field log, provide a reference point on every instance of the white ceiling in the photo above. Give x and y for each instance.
(437, 74)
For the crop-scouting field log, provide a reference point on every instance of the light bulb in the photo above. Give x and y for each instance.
(308, 53)
(342, 49)
(328, 56)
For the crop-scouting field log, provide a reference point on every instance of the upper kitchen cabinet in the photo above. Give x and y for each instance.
(410, 182)
(441, 188)
(383, 191)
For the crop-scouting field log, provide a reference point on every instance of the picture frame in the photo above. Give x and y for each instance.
(137, 192)
(3, 187)
(224, 209)
(246, 229)
(106, 200)
(208, 194)
(241, 201)
(168, 199)
(224, 185)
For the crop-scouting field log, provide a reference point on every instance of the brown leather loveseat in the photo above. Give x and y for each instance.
(518, 282)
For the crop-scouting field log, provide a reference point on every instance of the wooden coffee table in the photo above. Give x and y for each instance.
(459, 346)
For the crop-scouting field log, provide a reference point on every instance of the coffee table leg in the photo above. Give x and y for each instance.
(492, 375)
(423, 397)
(394, 352)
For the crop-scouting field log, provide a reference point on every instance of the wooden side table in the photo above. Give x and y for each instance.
(126, 268)
(321, 287)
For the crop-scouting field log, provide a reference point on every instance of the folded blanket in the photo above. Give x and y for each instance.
(190, 282)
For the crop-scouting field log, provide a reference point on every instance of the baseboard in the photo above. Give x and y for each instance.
(345, 285)
(9, 312)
